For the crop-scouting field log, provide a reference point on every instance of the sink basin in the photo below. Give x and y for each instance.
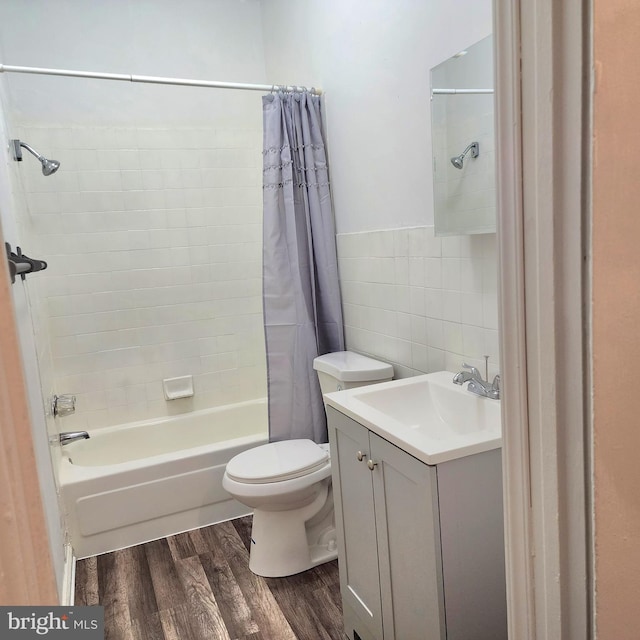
(428, 416)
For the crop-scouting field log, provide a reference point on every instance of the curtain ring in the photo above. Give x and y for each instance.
(273, 86)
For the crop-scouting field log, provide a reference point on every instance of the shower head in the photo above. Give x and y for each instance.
(48, 166)
(458, 161)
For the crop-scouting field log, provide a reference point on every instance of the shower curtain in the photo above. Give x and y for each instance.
(302, 308)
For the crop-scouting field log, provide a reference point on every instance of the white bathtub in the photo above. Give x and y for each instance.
(142, 481)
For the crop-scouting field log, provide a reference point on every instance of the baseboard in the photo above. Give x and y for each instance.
(67, 596)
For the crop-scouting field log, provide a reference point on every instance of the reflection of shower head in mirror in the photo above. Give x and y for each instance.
(458, 161)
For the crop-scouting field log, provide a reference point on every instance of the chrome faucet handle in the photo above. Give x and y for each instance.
(474, 372)
(63, 405)
(496, 383)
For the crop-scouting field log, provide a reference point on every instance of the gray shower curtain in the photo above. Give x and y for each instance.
(302, 308)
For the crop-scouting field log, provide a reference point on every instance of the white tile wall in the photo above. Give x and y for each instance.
(153, 239)
(420, 302)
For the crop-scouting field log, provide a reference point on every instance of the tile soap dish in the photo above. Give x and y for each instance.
(175, 388)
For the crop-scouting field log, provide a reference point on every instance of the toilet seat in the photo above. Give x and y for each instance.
(277, 462)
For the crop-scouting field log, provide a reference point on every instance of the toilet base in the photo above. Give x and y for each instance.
(284, 543)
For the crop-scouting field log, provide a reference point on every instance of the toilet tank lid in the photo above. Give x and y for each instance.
(277, 461)
(349, 366)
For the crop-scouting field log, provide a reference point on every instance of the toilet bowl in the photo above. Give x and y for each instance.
(288, 483)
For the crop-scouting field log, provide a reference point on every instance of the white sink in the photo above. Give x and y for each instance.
(428, 416)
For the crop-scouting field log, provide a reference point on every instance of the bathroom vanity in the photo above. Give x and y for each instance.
(418, 504)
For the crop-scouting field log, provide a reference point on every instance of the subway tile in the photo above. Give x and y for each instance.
(489, 276)
(416, 272)
(176, 218)
(451, 306)
(191, 178)
(433, 303)
(153, 179)
(453, 361)
(473, 341)
(435, 333)
(419, 357)
(418, 300)
(153, 158)
(116, 397)
(87, 159)
(433, 273)
(451, 274)
(437, 359)
(471, 274)
(418, 329)
(492, 344)
(451, 247)
(433, 245)
(403, 326)
(401, 270)
(471, 306)
(108, 160)
(44, 204)
(128, 159)
(174, 198)
(400, 243)
(453, 340)
(490, 310)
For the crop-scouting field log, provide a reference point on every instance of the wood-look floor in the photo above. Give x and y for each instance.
(197, 586)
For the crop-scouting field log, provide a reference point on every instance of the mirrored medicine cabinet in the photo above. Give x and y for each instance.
(463, 142)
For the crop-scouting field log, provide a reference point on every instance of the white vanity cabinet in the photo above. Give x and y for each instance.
(421, 550)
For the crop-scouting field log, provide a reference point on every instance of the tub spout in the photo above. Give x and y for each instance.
(72, 436)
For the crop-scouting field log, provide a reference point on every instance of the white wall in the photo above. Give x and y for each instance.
(152, 225)
(373, 60)
(409, 298)
(202, 39)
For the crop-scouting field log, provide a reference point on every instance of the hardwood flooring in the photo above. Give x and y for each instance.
(197, 585)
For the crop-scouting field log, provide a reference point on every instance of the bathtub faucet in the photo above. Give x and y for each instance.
(72, 436)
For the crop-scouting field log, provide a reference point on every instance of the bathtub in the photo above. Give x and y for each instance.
(146, 480)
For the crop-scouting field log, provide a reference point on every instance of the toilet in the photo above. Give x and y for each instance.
(288, 483)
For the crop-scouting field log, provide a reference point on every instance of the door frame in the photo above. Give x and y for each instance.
(543, 107)
(26, 567)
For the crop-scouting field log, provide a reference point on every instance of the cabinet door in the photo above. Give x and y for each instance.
(407, 524)
(356, 526)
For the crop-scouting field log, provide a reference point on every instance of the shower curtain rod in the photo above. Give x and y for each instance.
(5, 68)
(456, 91)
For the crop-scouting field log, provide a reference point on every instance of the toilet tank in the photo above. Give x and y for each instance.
(347, 370)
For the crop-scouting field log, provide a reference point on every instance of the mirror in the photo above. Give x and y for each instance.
(462, 133)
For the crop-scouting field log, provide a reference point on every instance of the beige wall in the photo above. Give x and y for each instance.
(616, 317)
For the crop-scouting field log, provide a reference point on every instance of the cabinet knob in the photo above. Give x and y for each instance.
(371, 464)
(360, 456)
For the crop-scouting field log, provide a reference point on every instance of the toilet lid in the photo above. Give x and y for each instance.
(277, 461)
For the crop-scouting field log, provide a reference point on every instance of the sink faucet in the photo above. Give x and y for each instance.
(476, 384)
(72, 436)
